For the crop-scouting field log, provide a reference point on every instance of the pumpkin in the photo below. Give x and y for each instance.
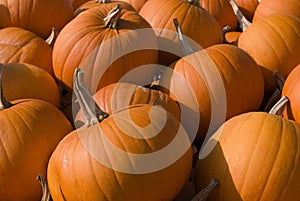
(230, 36)
(271, 7)
(121, 95)
(254, 156)
(37, 16)
(225, 82)
(123, 173)
(291, 91)
(247, 7)
(30, 129)
(93, 4)
(196, 23)
(106, 43)
(18, 45)
(274, 49)
(221, 10)
(21, 80)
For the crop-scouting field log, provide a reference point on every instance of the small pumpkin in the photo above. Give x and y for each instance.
(21, 80)
(18, 45)
(291, 89)
(254, 156)
(196, 23)
(38, 16)
(30, 129)
(130, 131)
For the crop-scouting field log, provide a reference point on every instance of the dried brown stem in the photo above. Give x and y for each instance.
(279, 107)
(244, 23)
(45, 190)
(113, 17)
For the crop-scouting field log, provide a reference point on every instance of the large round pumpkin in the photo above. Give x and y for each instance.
(106, 48)
(225, 81)
(254, 156)
(38, 16)
(21, 80)
(291, 89)
(18, 45)
(274, 43)
(137, 147)
(30, 129)
(271, 7)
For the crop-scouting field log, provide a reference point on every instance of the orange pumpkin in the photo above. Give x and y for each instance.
(121, 95)
(38, 16)
(127, 138)
(221, 10)
(30, 129)
(106, 42)
(271, 7)
(18, 45)
(275, 48)
(254, 156)
(21, 80)
(291, 91)
(247, 7)
(136, 4)
(196, 23)
(225, 82)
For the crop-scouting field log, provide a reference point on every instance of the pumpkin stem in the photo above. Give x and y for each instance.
(92, 112)
(46, 193)
(113, 17)
(279, 79)
(194, 2)
(243, 22)
(51, 39)
(3, 102)
(186, 48)
(278, 108)
(103, 1)
(224, 31)
(204, 193)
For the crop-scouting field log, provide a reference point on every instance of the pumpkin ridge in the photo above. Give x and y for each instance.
(253, 153)
(74, 173)
(274, 162)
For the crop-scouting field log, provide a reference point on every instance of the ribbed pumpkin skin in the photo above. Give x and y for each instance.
(38, 16)
(120, 95)
(291, 89)
(136, 4)
(29, 133)
(242, 81)
(248, 7)
(77, 46)
(275, 48)
(21, 80)
(255, 158)
(99, 182)
(271, 7)
(18, 45)
(196, 23)
(222, 11)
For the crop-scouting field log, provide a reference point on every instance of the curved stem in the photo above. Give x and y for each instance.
(103, 1)
(51, 39)
(186, 48)
(46, 193)
(278, 108)
(244, 23)
(204, 193)
(3, 102)
(92, 112)
(113, 17)
(194, 2)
